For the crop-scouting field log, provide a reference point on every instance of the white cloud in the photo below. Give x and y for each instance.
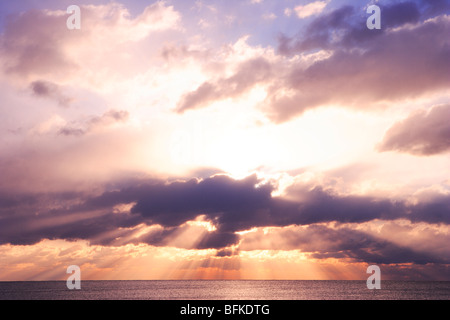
(287, 12)
(310, 9)
(269, 16)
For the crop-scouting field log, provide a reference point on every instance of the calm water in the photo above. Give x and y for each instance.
(225, 290)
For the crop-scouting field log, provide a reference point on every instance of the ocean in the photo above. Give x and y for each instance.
(225, 290)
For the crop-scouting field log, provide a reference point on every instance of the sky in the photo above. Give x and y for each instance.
(249, 139)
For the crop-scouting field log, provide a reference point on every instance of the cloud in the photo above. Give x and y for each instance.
(400, 13)
(435, 210)
(345, 28)
(269, 16)
(341, 62)
(318, 32)
(218, 240)
(322, 242)
(175, 203)
(238, 205)
(310, 9)
(33, 43)
(248, 74)
(287, 12)
(225, 253)
(37, 43)
(50, 90)
(366, 67)
(107, 119)
(433, 7)
(185, 236)
(226, 204)
(422, 133)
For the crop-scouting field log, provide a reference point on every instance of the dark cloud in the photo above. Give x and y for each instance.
(422, 133)
(400, 13)
(50, 90)
(218, 240)
(319, 33)
(418, 273)
(230, 205)
(323, 242)
(322, 206)
(345, 28)
(172, 204)
(225, 253)
(42, 88)
(206, 239)
(434, 7)
(71, 131)
(27, 225)
(110, 117)
(366, 68)
(83, 127)
(13, 201)
(436, 210)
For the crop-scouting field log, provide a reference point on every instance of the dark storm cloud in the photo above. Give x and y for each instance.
(230, 205)
(422, 133)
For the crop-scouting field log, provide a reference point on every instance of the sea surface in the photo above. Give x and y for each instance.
(225, 290)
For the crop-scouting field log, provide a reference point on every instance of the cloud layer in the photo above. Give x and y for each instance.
(165, 213)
